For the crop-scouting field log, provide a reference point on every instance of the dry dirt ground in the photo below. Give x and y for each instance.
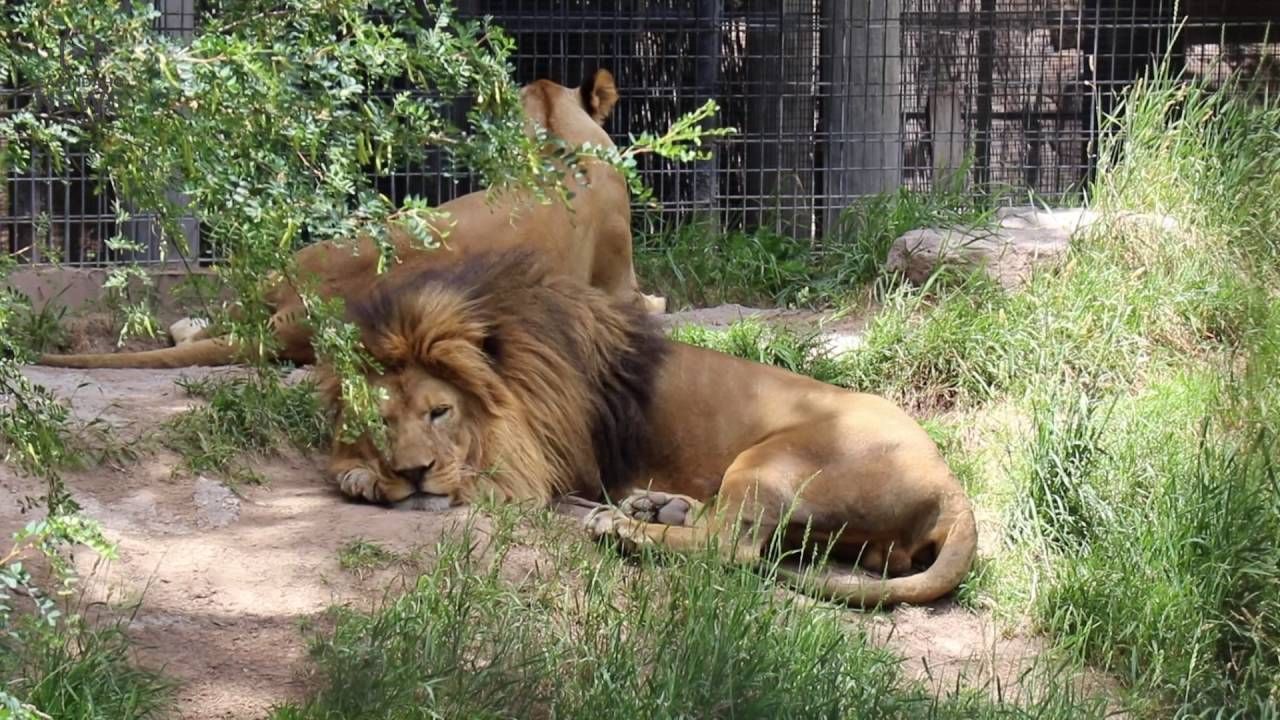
(226, 579)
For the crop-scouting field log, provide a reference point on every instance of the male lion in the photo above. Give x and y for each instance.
(588, 239)
(504, 380)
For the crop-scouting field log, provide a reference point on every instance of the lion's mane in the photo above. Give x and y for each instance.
(560, 374)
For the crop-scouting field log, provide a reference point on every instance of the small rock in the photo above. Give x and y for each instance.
(216, 506)
(843, 342)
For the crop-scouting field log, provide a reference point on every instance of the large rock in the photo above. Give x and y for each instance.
(1021, 240)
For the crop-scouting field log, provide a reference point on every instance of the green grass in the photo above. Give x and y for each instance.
(361, 557)
(40, 330)
(1061, 501)
(591, 635)
(700, 265)
(1142, 513)
(799, 350)
(72, 671)
(1180, 593)
(257, 414)
(1177, 587)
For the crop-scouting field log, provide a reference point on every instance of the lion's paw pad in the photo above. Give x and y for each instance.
(658, 507)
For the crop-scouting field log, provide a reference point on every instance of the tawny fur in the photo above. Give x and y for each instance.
(589, 239)
(559, 388)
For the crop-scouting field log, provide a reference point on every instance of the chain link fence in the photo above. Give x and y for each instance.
(833, 99)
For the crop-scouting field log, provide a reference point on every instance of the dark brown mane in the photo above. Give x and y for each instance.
(578, 360)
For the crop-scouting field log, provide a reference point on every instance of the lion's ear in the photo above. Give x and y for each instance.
(599, 94)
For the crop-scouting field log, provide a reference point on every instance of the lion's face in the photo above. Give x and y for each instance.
(428, 439)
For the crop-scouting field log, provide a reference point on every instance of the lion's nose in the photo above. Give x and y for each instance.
(415, 475)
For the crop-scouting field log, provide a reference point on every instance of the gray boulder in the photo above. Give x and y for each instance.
(1021, 240)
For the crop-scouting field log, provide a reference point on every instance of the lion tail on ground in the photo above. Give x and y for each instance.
(207, 352)
(957, 546)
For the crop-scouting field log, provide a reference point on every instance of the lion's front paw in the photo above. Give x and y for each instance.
(659, 507)
(362, 483)
(610, 522)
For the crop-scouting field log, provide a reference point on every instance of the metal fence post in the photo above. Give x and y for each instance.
(862, 111)
(706, 185)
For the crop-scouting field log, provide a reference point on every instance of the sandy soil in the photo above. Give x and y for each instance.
(226, 579)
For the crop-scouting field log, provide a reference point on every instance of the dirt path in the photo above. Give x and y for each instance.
(226, 580)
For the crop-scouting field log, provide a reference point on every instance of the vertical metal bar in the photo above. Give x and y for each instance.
(986, 69)
(706, 81)
(64, 253)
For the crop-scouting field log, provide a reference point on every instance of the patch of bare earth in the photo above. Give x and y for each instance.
(227, 579)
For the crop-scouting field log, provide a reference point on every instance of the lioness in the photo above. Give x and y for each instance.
(526, 386)
(589, 239)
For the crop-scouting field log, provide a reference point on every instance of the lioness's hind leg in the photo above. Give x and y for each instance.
(650, 506)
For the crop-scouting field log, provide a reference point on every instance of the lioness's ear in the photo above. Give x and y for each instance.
(599, 94)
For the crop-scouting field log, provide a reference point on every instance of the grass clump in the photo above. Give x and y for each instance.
(1061, 501)
(1180, 593)
(37, 330)
(54, 663)
(593, 636)
(697, 265)
(800, 350)
(257, 414)
(361, 557)
(70, 670)
(700, 265)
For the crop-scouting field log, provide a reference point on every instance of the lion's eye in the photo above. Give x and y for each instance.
(438, 412)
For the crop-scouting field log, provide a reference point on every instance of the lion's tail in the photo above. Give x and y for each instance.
(207, 352)
(958, 544)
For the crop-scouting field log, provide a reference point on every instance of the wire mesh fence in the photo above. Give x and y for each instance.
(833, 100)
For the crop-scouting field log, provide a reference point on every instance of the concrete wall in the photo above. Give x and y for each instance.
(80, 289)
